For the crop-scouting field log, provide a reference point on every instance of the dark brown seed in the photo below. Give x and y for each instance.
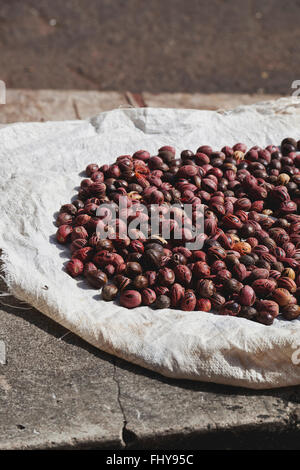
(162, 301)
(140, 282)
(97, 279)
(188, 301)
(109, 292)
(166, 277)
(133, 269)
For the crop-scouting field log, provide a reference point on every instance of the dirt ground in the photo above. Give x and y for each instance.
(151, 45)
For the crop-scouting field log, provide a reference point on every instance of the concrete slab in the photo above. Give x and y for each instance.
(90, 103)
(211, 101)
(57, 105)
(55, 390)
(164, 413)
(58, 392)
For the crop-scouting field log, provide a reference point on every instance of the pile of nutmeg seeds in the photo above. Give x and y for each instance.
(249, 265)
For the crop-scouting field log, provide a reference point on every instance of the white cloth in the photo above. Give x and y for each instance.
(40, 166)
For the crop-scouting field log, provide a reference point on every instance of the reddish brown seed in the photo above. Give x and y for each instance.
(84, 254)
(89, 267)
(188, 301)
(203, 304)
(291, 312)
(247, 296)
(182, 249)
(75, 267)
(104, 257)
(148, 296)
(232, 286)
(69, 209)
(232, 221)
(136, 246)
(110, 270)
(176, 294)
(105, 244)
(217, 300)
(201, 269)
(64, 219)
(133, 269)
(264, 287)
(222, 275)
(97, 176)
(287, 283)
(187, 171)
(141, 155)
(166, 277)
(253, 242)
(206, 149)
(122, 282)
(259, 273)
(217, 265)
(268, 306)
(91, 168)
(77, 244)
(205, 288)
(85, 183)
(265, 318)
(130, 299)
(239, 271)
(248, 312)
(282, 296)
(161, 290)
(63, 234)
(183, 274)
(231, 308)
(79, 232)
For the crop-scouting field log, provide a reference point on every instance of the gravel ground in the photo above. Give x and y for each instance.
(151, 45)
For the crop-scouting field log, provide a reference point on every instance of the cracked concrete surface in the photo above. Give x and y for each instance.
(163, 413)
(123, 429)
(55, 390)
(58, 392)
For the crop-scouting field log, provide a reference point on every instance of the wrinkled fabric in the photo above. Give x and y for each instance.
(40, 170)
